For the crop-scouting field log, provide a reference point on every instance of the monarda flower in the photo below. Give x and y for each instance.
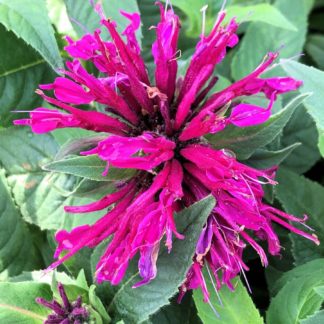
(67, 312)
(157, 127)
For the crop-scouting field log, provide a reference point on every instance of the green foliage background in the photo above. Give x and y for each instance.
(39, 174)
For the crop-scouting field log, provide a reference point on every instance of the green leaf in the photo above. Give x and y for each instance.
(316, 318)
(24, 152)
(297, 273)
(97, 304)
(18, 305)
(64, 135)
(297, 299)
(320, 291)
(17, 252)
(58, 15)
(89, 167)
(31, 23)
(300, 196)
(36, 275)
(246, 2)
(263, 159)
(262, 12)
(194, 19)
(21, 70)
(86, 188)
(237, 308)
(248, 57)
(313, 81)
(79, 287)
(77, 144)
(244, 141)
(315, 48)
(136, 305)
(73, 287)
(83, 12)
(39, 195)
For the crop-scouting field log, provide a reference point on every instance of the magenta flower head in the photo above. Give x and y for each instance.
(67, 312)
(157, 127)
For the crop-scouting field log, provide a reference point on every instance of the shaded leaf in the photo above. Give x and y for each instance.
(36, 192)
(300, 128)
(244, 141)
(79, 262)
(150, 15)
(315, 48)
(278, 265)
(89, 167)
(316, 20)
(17, 251)
(263, 159)
(300, 196)
(175, 313)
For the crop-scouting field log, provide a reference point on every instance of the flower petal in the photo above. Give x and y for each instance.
(245, 115)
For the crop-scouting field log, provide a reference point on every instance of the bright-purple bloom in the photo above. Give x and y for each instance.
(158, 128)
